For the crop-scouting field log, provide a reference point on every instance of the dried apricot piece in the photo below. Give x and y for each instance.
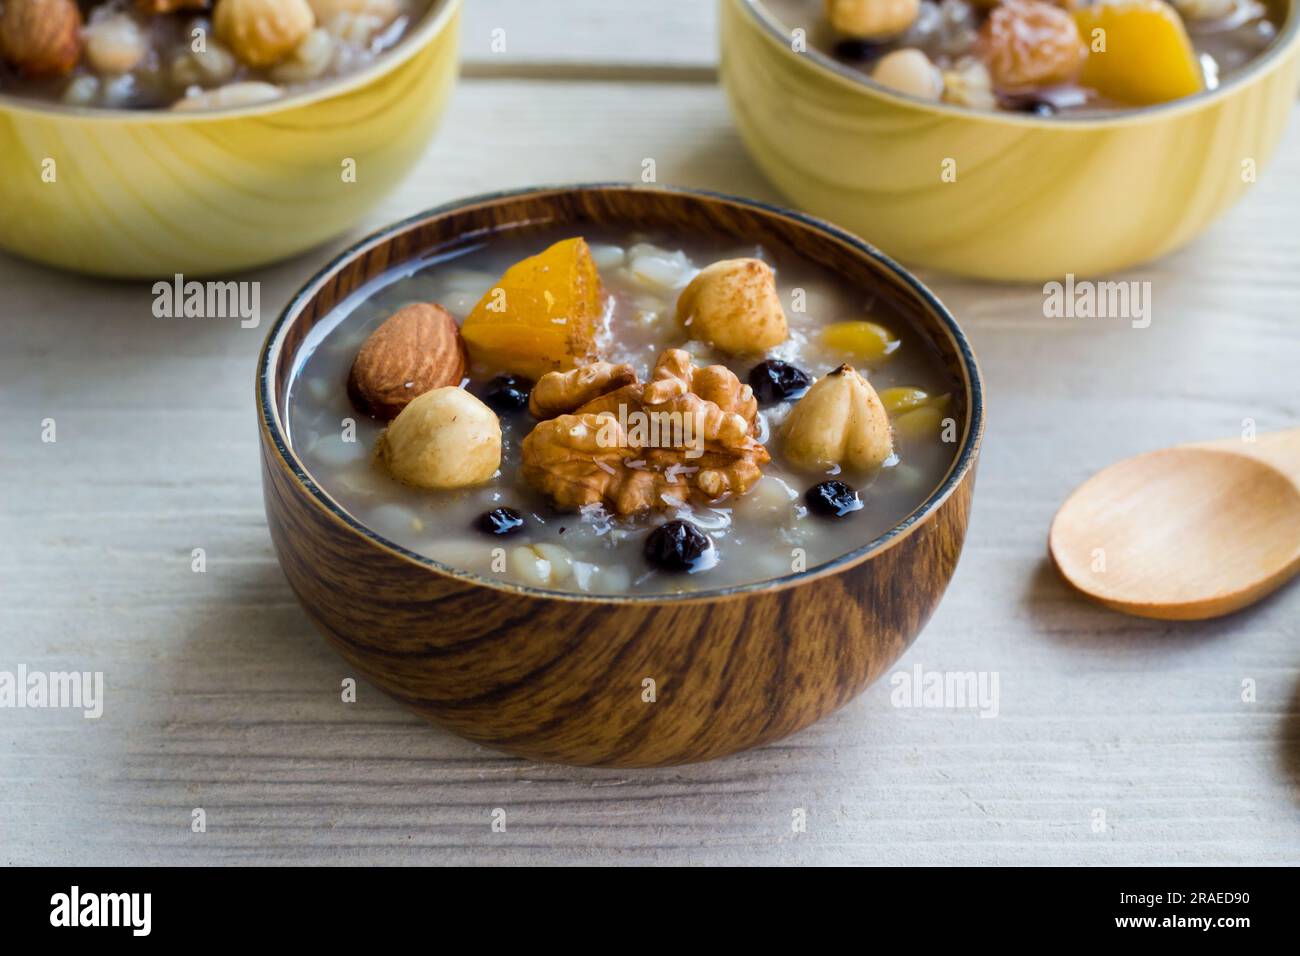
(1029, 43)
(542, 316)
(1140, 52)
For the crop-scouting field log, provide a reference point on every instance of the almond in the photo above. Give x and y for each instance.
(40, 37)
(417, 349)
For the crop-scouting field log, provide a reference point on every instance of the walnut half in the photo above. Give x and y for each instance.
(634, 446)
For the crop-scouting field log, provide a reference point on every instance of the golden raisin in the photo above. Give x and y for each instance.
(1029, 43)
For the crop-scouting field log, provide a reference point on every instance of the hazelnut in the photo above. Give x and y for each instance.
(871, 19)
(417, 349)
(262, 32)
(734, 304)
(445, 438)
(40, 37)
(841, 421)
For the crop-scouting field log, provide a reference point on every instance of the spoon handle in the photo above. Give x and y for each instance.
(1279, 449)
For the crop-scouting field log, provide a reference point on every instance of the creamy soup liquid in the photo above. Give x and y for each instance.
(763, 534)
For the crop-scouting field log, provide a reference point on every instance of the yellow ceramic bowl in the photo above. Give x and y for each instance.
(1033, 198)
(154, 193)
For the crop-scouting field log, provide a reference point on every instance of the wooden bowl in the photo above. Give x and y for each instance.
(153, 193)
(1033, 198)
(560, 678)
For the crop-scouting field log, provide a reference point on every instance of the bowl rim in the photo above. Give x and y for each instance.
(1283, 45)
(424, 31)
(273, 428)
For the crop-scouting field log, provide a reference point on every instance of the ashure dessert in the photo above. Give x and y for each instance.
(190, 54)
(1038, 56)
(615, 414)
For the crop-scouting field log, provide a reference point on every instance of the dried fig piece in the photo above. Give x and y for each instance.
(1029, 43)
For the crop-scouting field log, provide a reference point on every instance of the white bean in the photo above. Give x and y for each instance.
(541, 565)
(909, 71)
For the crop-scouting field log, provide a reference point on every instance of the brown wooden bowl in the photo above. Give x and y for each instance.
(560, 678)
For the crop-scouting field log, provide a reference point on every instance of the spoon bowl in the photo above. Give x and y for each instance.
(1186, 533)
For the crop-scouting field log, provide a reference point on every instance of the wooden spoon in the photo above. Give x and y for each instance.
(1185, 533)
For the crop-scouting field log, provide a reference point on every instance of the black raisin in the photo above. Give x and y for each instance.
(507, 393)
(1031, 105)
(776, 381)
(832, 499)
(857, 50)
(680, 546)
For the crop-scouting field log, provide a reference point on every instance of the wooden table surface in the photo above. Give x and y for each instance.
(220, 696)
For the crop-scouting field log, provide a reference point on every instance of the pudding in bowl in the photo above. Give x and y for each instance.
(202, 164)
(1018, 181)
(1076, 57)
(191, 54)
(531, 458)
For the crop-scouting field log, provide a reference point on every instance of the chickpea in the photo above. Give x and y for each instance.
(840, 421)
(871, 19)
(262, 32)
(733, 303)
